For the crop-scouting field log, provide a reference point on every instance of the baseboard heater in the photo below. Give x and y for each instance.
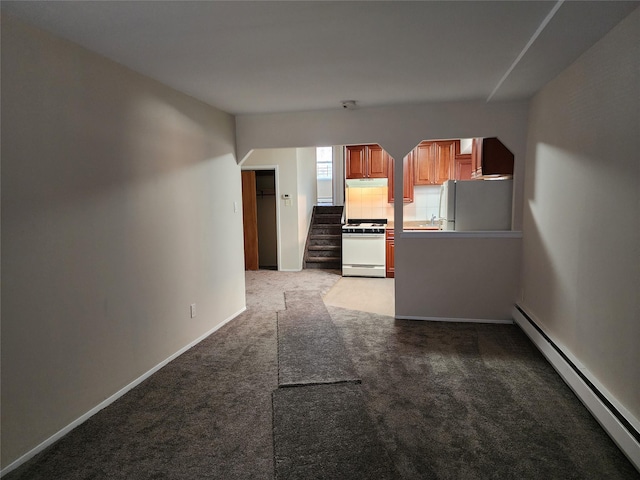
(618, 423)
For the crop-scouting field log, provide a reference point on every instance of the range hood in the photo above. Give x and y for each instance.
(493, 159)
(365, 182)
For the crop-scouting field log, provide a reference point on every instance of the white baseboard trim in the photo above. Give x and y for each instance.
(83, 418)
(605, 408)
(453, 320)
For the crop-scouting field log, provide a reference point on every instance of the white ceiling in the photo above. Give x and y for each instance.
(268, 56)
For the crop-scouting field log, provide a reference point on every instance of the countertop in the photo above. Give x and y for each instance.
(415, 225)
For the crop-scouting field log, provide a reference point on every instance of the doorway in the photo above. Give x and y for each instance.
(260, 219)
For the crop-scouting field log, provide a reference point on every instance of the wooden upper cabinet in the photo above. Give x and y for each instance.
(378, 164)
(354, 160)
(445, 153)
(463, 167)
(476, 158)
(490, 157)
(434, 162)
(407, 179)
(366, 161)
(463, 164)
(424, 166)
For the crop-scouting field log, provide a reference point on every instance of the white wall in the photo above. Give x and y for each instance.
(117, 213)
(398, 130)
(325, 189)
(295, 176)
(307, 194)
(581, 267)
(338, 178)
(286, 161)
(466, 146)
(460, 278)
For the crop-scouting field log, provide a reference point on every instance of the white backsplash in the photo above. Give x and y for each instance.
(426, 202)
(368, 203)
(373, 203)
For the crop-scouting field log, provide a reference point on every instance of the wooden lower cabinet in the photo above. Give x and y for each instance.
(390, 239)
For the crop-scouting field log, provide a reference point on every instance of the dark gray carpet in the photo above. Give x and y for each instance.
(449, 401)
(206, 415)
(324, 432)
(472, 401)
(321, 428)
(310, 350)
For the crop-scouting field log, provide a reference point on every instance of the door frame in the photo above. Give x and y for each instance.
(277, 179)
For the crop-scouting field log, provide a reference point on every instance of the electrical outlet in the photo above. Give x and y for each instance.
(193, 310)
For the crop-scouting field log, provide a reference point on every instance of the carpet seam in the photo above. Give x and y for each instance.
(273, 436)
(355, 381)
(278, 343)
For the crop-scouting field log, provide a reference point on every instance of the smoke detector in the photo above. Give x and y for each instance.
(349, 104)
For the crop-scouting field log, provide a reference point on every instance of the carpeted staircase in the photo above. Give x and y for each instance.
(324, 241)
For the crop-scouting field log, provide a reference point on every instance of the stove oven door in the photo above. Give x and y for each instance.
(363, 255)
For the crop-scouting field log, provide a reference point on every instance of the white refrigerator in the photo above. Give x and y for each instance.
(476, 205)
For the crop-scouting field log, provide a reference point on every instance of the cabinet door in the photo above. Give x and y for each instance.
(496, 158)
(407, 179)
(378, 162)
(445, 153)
(390, 255)
(391, 176)
(463, 167)
(354, 160)
(424, 166)
(476, 158)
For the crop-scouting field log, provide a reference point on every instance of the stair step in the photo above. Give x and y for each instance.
(324, 244)
(324, 236)
(324, 259)
(327, 220)
(326, 225)
(323, 254)
(326, 230)
(325, 247)
(329, 209)
(324, 266)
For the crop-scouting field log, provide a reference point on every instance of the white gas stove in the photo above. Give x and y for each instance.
(363, 248)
